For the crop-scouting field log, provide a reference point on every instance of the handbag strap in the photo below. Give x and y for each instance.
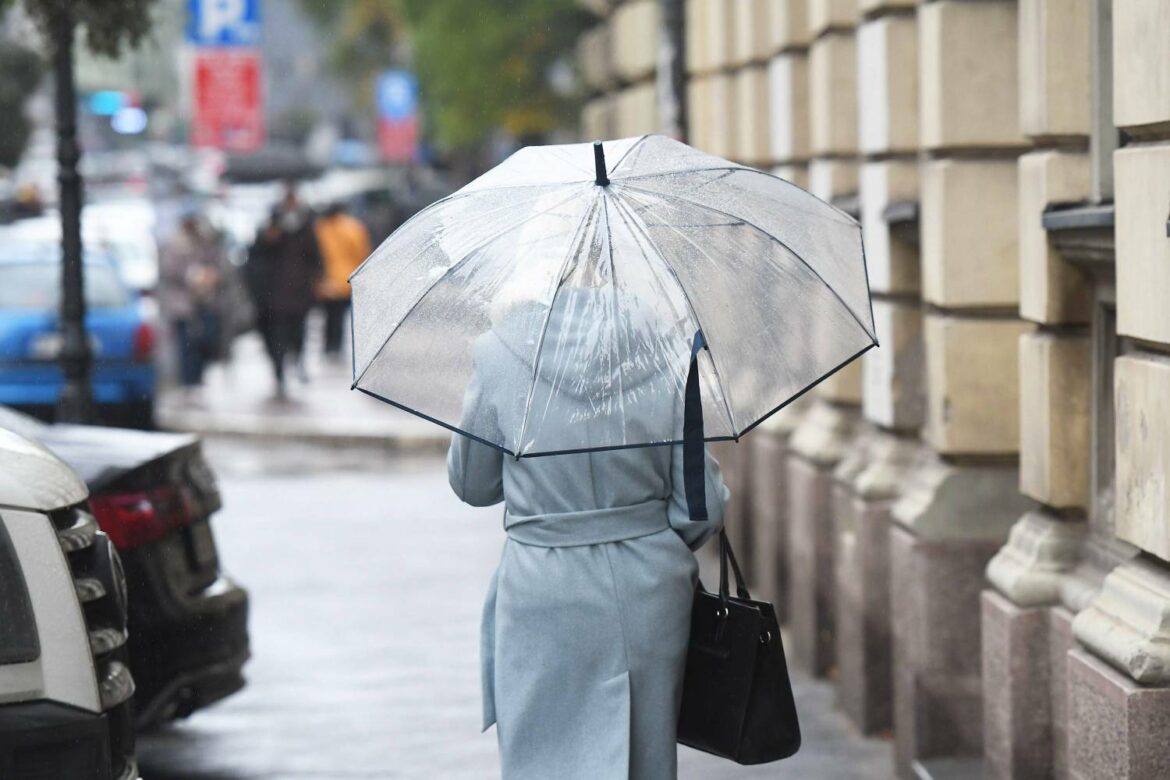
(726, 554)
(694, 451)
(695, 471)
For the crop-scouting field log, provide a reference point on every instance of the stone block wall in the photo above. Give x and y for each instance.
(995, 471)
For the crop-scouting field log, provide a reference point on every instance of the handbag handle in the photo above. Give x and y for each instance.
(726, 554)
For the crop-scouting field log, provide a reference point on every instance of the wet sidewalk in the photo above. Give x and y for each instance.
(367, 579)
(238, 400)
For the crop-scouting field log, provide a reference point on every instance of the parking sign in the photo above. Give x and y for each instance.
(223, 22)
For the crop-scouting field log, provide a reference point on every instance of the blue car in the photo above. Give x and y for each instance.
(122, 336)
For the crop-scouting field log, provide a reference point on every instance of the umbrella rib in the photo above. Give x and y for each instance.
(690, 305)
(764, 233)
(735, 169)
(457, 264)
(616, 325)
(430, 242)
(626, 154)
(544, 328)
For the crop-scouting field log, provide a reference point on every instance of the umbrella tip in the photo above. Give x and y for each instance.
(599, 164)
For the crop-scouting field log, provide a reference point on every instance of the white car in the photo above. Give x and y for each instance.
(123, 230)
(65, 689)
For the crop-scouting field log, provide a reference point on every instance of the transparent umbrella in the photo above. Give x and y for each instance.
(552, 304)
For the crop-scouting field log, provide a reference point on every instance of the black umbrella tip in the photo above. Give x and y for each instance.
(599, 164)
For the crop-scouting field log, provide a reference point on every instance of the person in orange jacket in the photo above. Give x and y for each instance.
(344, 243)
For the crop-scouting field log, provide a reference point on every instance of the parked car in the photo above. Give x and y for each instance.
(121, 328)
(65, 688)
(153, 494)
(122, 230)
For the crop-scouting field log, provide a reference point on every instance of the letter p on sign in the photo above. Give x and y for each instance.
(224, 22)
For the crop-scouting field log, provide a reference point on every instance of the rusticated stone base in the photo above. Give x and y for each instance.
(769, 480)
(864, 671)
(810, 564)
(1118, 729)
(1060, 641)
(935, 586)
(1017, 701)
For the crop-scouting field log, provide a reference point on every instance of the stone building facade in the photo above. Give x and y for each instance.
(969, 529)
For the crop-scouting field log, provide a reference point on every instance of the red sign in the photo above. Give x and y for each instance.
(398, 140)
(229, 101)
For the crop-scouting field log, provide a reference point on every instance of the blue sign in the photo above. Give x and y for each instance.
(223, 22)
(397, 95)
(107, 102)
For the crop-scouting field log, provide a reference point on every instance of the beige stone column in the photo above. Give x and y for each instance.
(824, 437)
(1024, 624)
(956, 509)
(788, 106)
(772, 38)
(770, 445)
(745, 27)
(1119, 678)
(827, 433)
(869, 479)
(618, 58)
(595, 59)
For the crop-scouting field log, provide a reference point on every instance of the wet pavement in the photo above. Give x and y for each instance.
(238, 399)
(367, 578)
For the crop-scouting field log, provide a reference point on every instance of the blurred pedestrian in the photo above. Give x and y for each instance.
(260, 279)
(282, 272)
(191, 263)
(344, 243)
(298, 272)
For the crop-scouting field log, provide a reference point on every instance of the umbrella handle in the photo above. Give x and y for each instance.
(599, 165)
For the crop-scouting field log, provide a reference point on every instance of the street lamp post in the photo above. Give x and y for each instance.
(672, 69)
(75, 404)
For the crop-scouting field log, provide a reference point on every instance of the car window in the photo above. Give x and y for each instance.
(38, 286)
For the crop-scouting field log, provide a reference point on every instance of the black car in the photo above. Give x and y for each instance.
(153, 494)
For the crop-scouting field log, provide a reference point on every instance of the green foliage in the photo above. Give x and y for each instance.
(483, 65)
(108, 25)
(22, 72)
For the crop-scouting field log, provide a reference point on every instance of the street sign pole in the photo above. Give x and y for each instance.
(75, 403)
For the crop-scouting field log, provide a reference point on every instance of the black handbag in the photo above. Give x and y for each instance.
(737, 698)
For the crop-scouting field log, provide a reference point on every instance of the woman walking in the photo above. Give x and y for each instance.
(584, 330)
(586, 623)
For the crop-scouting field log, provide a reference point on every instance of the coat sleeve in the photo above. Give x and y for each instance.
(475, 470)
(695, 534)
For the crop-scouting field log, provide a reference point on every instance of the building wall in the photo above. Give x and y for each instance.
(998, 468)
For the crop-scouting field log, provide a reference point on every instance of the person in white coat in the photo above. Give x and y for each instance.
(586, 622)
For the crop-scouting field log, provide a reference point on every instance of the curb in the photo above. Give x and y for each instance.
(275, 431)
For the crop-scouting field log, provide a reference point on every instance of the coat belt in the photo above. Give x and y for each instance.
(594, 526)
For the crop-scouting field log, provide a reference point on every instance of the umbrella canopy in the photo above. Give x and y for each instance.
(550, 305)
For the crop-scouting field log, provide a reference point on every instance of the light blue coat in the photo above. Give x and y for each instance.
(586, 622)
